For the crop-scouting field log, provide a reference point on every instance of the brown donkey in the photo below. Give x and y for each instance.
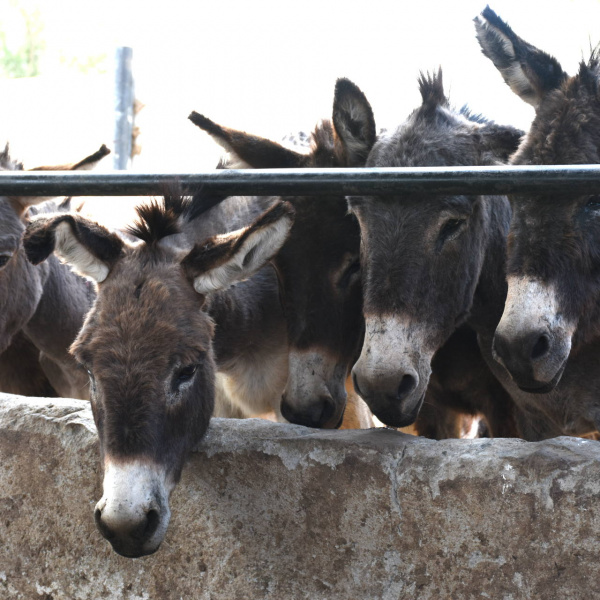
(148, 345)
(318, 266)
(549, 337)
(433, 271)
(41, 307)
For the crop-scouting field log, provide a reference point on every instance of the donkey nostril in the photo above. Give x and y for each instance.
(541, 347)
(407, 385)
(102, 527)
(147, 527)
(152, 521)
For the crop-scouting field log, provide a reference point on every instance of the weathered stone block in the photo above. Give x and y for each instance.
(284, 512)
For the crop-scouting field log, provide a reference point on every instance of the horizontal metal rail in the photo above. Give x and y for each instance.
(318, 182)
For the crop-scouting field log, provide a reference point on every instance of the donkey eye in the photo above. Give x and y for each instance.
(4, 258)
(451, 230)
(593, 203)
(185, 374)
(349, 274)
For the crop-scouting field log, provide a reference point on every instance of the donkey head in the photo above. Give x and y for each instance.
(147, 346)
(318, 266)
(553, 268)
(21, 283)
(421, 255)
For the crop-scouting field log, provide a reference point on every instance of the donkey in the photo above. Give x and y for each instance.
(433, 270)
(151, 344)
(318, 266)
(548, 339)
(42, 306)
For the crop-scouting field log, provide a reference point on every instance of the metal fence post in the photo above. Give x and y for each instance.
(124, 98)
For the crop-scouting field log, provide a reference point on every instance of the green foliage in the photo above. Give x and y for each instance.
(24, 60)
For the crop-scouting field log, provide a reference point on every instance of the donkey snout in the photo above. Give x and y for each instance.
(320, 413)
(534, 359)
(128, 532)
(394, 399)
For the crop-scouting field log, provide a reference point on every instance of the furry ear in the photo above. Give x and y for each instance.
(501, 141)
(88, 163)
(89, 248)
(249, 151)
(530, 73)
(22, 203)
(353, 122)
(224, 259)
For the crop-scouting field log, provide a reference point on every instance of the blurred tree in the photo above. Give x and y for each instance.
(28, 49)
(22, 59)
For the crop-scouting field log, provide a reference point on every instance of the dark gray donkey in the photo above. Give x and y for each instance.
(318, 266)
(549, 335)
(41, 307)
(433, 271)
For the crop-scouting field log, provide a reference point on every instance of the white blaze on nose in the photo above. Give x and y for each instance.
(131, 489)
(394, 347)
(532, 305)
(391, 340)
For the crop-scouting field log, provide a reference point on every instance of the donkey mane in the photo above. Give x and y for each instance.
(7, 163)
(466, 112)
(163, 217)
(157, 220)
(431, 86)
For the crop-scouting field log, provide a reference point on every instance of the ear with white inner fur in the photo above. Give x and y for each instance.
(222, 260)
(530, 73)
(246, 150)
(353, 122)
(89, 248)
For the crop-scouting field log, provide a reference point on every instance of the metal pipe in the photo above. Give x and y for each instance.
(570, 179)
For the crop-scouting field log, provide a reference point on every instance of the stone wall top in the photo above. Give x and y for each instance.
(283, 512)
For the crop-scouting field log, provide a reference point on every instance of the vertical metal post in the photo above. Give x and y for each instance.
(124, 97)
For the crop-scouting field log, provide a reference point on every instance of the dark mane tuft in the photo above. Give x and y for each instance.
(465, 111)
(7, 163)
(431, 87)
(589, 72)
(157, 219)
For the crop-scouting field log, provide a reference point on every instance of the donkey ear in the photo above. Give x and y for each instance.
(222, 260)
(89, 162)
(530, 73)
(22, 203)
(501, 141)
(353, 122)
(249, 151)
(89, 248)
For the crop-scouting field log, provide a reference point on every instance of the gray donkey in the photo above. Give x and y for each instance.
(548, 340)
(41, 307)
(433, 271)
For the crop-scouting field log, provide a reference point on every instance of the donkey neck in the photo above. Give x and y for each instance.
(250, 342)
(65, 300)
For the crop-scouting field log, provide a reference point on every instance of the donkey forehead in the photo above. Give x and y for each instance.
(428, 143)
(146, 310)
(565, 130)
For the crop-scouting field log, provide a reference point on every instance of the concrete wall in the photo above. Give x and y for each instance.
(284, 512)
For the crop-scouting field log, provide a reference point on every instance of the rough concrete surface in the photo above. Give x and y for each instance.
(284, 512)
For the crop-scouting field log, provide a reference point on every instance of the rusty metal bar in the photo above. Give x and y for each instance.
(318, 182)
